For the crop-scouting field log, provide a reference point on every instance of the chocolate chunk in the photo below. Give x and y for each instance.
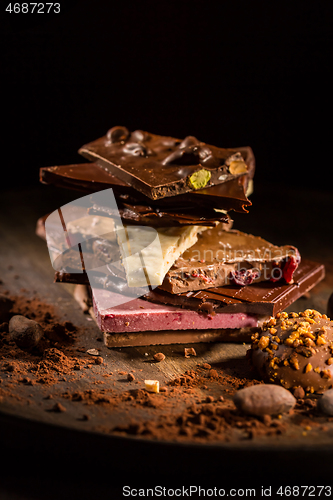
(264, 399)
(295, 350)
(220, 257)
(58, 408)
(161, 166)
(299, 393)
(265, 298)
(89, 177)
(159, 356)
(189, 351)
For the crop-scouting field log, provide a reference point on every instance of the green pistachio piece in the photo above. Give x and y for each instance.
(199, 179)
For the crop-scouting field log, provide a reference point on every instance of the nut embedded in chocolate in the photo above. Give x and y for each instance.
(295, 350)
(163, 164)
(117, 134)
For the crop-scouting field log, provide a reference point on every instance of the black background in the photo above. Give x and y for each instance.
(231, 73)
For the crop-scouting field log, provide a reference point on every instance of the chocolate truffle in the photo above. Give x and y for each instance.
(296, 350)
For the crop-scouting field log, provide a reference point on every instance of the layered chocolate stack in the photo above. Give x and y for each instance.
(158, 249)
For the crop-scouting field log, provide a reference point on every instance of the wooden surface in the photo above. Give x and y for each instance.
(25, 265)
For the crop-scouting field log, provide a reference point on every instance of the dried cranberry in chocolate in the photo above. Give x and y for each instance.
(117, 134)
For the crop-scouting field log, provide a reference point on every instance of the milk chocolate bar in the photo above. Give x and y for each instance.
(89, 177)
(166, 337)
(264, 298)
(160, 166)
(221, 257)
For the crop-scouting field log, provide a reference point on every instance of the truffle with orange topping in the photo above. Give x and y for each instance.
(295, 350)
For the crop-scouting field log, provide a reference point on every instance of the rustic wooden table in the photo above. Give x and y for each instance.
(66, 452)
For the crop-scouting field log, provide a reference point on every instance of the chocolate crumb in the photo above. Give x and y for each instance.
(130, 377)
(159, 356)
(213, 374)
(299, 393)
(58, 408)
(189, 351)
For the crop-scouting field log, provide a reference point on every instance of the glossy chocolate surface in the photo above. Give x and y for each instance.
(264, 298)
(89, 178)
(296, 351)
(220, 257)
(166, 217)
(160, 166)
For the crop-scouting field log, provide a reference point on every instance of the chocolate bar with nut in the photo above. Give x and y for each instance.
(160, 166)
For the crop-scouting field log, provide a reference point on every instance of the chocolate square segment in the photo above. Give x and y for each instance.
(160, 166)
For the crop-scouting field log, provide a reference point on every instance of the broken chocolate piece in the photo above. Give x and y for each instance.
(89, 177)
(161, 166)
(221, 257)
(259, 298)
(158, 217)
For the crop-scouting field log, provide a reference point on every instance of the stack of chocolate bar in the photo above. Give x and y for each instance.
(153, 240)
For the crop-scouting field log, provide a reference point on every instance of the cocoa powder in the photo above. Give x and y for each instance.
(195, 406)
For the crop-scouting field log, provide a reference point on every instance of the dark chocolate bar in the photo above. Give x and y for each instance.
(221, 257)
(168, 217)
(160, 166)
(264, 298)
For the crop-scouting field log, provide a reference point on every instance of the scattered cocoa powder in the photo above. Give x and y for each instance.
(195, 406)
